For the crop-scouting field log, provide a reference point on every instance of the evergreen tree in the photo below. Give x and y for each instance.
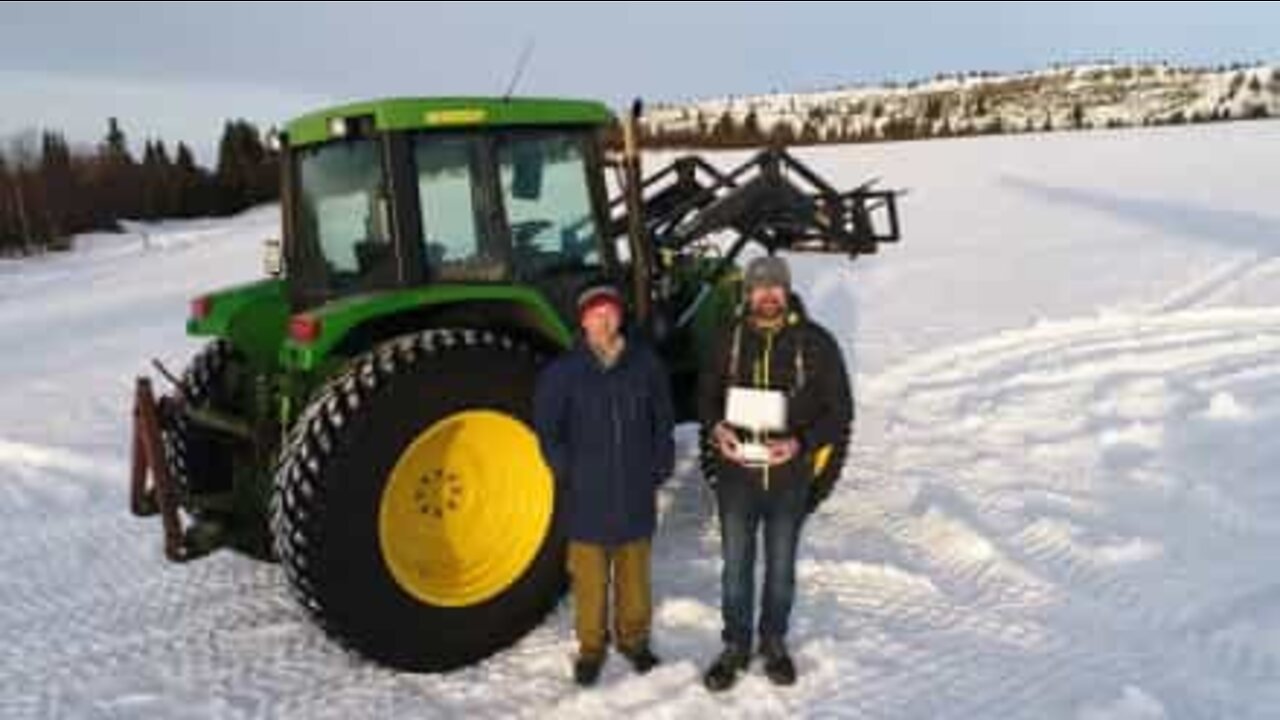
(65, 211)
(247, 171)
(752, 133)
(192, 184)
(1077, 116)
(8, 217)
(116, 192)
(115, 148)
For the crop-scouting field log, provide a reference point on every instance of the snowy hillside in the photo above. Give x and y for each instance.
(1082, 97)
(1061, 501)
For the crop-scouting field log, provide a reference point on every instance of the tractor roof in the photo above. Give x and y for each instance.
(447, 112)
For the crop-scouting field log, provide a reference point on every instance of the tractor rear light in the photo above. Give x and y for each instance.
(201, 307)
(304, 328)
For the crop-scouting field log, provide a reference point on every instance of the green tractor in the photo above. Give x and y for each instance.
(362, 415)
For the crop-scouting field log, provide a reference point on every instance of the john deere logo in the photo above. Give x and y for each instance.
(463, 116)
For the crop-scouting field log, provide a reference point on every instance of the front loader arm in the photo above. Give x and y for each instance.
(772, 199)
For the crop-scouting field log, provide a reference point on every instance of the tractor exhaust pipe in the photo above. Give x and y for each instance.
(641, 260)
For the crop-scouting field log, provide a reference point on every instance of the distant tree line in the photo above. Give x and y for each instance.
(969, 111)
(729, 130)
(50, 191)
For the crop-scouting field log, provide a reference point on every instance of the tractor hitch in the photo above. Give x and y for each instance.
(159, 496)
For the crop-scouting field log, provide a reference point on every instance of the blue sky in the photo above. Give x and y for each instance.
(179, 69)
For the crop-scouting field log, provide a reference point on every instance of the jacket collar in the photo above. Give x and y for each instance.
(587, 355)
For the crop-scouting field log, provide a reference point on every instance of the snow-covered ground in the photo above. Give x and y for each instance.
(1061, 501)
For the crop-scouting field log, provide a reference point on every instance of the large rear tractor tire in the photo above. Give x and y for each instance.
(412, 511)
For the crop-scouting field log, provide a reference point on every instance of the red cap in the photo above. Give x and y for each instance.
(600, 296)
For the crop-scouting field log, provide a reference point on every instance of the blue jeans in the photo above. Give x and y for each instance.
(745, 505)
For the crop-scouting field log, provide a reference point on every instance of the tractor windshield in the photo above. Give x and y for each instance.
(547, 198)
(346, 212)
(375, 213)
(453, 241)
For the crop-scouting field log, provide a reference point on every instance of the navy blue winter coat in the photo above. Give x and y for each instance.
(606, 433)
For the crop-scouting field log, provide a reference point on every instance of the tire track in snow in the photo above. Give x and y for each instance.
(1133, 382)
(941, 627)
(1212, 285)
(929, 647)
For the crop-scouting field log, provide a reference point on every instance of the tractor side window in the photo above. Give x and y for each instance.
(346, 211)
(548, 205)
(451, 240)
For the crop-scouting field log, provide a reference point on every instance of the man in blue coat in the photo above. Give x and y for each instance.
(604, 420)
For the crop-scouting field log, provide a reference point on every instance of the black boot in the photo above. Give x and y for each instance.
(641, 658)
(778, 666)
(586, 669)
(723, 673)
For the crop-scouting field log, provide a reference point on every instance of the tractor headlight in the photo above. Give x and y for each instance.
(275, 140)
(272, 257)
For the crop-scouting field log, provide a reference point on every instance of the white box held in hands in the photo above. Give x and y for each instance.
(762, 411)
(757, 412)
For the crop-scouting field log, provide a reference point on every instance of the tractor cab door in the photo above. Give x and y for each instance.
(516, 206)
(551, 193)
(460, 238)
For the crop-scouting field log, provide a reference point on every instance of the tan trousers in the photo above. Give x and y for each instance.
(590, 568)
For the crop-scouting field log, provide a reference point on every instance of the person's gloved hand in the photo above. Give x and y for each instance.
(819, 490)
(726, 441)
(782, 452)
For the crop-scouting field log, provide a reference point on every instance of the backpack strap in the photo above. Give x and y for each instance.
(800, 369)
(735, 360)
(735, 353)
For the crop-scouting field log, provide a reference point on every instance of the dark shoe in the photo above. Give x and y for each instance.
(642, 659)
(723, 673)
(586, 670)
(778, 666)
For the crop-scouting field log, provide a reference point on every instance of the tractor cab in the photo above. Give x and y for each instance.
(406, 193)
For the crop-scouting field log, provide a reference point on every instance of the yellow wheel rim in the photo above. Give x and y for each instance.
(465, 509)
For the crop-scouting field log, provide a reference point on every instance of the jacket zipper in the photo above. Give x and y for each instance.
(763, 384)
(617, 454)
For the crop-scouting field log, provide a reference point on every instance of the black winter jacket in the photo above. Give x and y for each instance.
(800, 358)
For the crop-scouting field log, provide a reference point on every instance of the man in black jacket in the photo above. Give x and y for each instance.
(604, 420)
(773, 348)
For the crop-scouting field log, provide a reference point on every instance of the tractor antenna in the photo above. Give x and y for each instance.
(521, 63)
